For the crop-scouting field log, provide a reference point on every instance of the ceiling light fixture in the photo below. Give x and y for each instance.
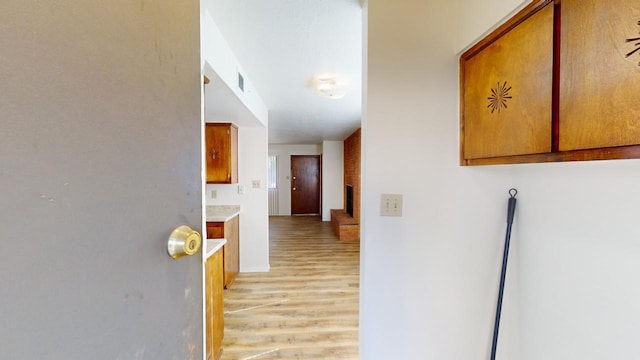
(329, 87)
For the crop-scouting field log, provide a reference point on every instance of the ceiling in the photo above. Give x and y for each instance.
(282, 45)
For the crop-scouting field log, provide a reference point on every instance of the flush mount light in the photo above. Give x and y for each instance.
(330, 87)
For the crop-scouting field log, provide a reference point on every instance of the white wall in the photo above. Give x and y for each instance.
(217, 54)
(572, 288)
(579, 269)
(254, 220)
(332, 177)
(284, 153)
(429, 278)
(477, 18)
(252, 150)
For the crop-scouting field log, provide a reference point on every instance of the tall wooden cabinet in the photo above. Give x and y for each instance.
(231, 251)
(214, 288)
(221, 153)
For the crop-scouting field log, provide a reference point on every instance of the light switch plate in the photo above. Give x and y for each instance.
(214, 194)
(255, 184)
(240, 189)
(390, 205)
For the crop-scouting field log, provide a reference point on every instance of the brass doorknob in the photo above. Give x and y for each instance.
(183, 241)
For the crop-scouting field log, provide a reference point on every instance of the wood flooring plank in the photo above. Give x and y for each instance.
(306, 307)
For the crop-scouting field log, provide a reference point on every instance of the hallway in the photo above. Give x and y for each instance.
(306, 307)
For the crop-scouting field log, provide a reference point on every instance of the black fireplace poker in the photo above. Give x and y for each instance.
(511, 209)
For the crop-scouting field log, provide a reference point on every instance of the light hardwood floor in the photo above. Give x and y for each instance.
(306, 307)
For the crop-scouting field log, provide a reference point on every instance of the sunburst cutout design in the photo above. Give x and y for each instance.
(637, 45)
(499, 97)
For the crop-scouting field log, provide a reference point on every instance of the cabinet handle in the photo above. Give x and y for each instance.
(213, 154)
(294, 189)
(228, 176)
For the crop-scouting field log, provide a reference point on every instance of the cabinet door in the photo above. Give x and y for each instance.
(214, 289)
(215, 230)
(231, 250)
(221, 152)
(229, 230)
(507, 91)
(600, 74)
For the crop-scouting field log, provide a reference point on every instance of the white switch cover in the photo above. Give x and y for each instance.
(214, 194)
(391, 205)
(255, 184)
(241, 189)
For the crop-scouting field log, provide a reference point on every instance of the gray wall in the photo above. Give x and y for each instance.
(100, 159)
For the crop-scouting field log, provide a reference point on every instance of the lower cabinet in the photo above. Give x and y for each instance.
(231, 251)
(214, 305)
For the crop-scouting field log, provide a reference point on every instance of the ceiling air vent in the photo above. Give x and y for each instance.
(240, 82)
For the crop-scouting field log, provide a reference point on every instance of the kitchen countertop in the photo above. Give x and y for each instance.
(221, 213)
(213, 245)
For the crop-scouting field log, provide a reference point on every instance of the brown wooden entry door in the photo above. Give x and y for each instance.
(305, 184)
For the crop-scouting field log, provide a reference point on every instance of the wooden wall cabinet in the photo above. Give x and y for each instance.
(214, 288)
(506, 91)
(557, 82)
(599, 81)
(221, 153)
(231, 250)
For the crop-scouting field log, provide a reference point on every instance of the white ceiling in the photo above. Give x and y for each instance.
(282, 45)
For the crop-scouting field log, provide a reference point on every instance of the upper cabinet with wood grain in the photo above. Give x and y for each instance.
(599, 74)
(557, 82)
(507, 103)
(221, 152)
